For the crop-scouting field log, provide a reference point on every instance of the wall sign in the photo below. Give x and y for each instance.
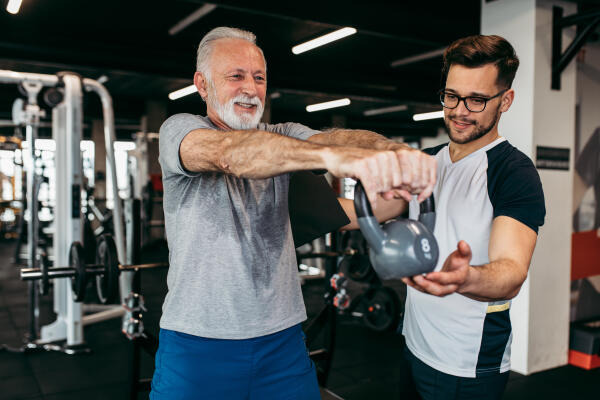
(552, 158)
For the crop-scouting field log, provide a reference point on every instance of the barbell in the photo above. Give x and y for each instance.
(106, 270)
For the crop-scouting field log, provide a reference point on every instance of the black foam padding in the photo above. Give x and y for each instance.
(585, 337)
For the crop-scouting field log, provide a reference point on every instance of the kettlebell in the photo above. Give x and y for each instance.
(401, 247)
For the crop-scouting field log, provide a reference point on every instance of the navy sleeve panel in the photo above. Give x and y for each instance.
(432, 151)
(588, 162)
(314, 207)
(514, 186)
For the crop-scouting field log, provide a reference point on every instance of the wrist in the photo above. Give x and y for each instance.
(326, 155)
(470, 280)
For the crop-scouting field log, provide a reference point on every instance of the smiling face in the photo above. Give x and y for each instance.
(236, 88)
(463, 125)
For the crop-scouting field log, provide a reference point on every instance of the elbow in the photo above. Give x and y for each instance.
(516, 288)
(512, 294)
(224, 158)
(353, 225)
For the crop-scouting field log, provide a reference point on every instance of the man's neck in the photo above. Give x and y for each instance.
(459, 151)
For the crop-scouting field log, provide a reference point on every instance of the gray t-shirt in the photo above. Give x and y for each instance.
(233, 269)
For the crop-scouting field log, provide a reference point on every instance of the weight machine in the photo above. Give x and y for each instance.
(67, 125)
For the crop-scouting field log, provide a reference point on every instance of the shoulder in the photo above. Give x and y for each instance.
(185, 120)
(432, 151)
(506, 153)
(506, 162)
(514, 186)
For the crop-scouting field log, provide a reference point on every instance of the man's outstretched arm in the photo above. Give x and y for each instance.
(259, 154)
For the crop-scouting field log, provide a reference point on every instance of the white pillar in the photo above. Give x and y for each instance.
(540, 116)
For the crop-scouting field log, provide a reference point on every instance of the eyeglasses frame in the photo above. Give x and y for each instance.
(464, 100)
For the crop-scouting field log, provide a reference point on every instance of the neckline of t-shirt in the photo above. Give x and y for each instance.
(207, 119)
(215, 127)
(488, 146)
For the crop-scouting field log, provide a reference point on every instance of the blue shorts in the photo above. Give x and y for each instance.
(275, 366)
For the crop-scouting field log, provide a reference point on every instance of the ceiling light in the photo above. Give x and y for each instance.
(418, 57)
(385, 110)
(182, 92)
(429, 115)
(328, 104)
(13, 6)
(320, 41)
(190, 19)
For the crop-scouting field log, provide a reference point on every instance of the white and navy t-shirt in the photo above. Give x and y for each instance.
(455, 334)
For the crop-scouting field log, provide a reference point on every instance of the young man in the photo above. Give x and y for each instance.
(489, 205)
(230, 327)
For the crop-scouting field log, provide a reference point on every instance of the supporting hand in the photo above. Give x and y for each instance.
(451, 278)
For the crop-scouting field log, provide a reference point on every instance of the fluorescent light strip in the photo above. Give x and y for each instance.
(328, 104)
(182, 92)
(418, 57)
(385, 110)
(13, 6)
(320, 41)
(190, 19)
(429, 115)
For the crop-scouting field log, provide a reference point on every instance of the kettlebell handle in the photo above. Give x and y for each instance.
(427, 213)
(363, 206)
(427, 205)
(361, 202)
(369, 226)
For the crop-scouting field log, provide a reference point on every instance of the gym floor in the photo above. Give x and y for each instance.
(365, 366)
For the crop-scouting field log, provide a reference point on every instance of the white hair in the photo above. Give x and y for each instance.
(207, 44)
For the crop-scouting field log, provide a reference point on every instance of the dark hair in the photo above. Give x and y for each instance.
(478, 50)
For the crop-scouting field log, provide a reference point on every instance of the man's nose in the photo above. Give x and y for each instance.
(461, 108)
(249, 87)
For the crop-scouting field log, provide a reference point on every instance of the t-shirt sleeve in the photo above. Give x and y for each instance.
(520, 195)
(292, 129)
(588, 162)
(171, 133)
(314, 207)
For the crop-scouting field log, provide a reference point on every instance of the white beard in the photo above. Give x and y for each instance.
(227, 114)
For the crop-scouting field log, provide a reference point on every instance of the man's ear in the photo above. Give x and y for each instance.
(507, 100)
(201, 84)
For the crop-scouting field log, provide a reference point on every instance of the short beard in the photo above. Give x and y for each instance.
(227, 114)
(479, 131)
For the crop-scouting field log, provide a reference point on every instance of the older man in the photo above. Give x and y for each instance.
(231, 319)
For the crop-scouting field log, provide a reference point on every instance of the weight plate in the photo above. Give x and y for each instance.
(89, 242)
(355, 264)
(79, 280)
(382, 309)
(359, 268)
(107, 283)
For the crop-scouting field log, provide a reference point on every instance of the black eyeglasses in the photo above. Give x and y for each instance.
(473, 103)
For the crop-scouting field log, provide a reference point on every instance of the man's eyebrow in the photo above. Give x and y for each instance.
(243, 71)
(472, 94)
(230, 71)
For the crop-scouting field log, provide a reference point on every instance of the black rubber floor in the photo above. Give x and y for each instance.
(365, 366)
